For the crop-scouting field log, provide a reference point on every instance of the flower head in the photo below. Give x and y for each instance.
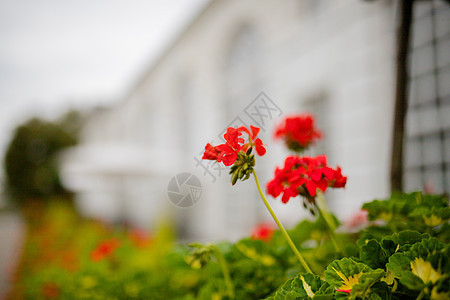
(263, 232)
(303, 176)
(105, 249)
(298, 132)
(237, 151)
(358, 220)
(253, 141)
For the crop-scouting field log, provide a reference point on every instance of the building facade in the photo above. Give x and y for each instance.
(249, 62)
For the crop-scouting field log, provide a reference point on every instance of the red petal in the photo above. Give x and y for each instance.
(328, 172)
(255, 131)
(243, 128)
(316, 175)
(286, 197)
(274, 188)
(288, 194)
(210, 152)
(311, 187)
(259, 147)
(322, 159)
(322, 184)
(229, 159)
(294, 175)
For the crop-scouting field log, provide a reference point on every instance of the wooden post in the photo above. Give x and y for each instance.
(401, 94)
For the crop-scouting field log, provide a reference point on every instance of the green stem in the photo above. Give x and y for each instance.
(422, 293)
(283, 231)
(325, 213)
(225, 271)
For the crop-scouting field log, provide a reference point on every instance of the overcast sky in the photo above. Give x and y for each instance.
(57, 54)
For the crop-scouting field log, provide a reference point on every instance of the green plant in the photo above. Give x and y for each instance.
(30, 160)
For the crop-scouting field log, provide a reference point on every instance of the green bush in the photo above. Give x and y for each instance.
(405, 258)
(30, 164)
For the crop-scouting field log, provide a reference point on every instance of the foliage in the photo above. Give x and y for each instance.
(30, 160)
(399, 257)
(421, 212)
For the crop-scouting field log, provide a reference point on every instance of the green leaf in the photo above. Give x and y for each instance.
(285, 292)
(344, 273)
(328, 296)
(306, 285)
(367, 280)
(374, 296)
(427, 248)
(426, 263)
(200, 255)
(373, 255)
(365, 238)
(256, 250)
(412, 281)
(398, 264)
(303, 286)
(402, 241)
(407, 237)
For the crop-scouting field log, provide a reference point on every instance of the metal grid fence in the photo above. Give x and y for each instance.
(427, 161)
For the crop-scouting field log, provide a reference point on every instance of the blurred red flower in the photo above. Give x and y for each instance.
(263, 232)
(358, 220)
(298, 132)
(140, 238)
(50, 290)
(303, 176)
(105, 249)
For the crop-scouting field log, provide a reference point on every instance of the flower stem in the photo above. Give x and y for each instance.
(422, 293)
(325, 213)
(283, 231)
(225, 271)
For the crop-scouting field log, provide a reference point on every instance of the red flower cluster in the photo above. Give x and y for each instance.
(228, 152)
(303, 176)
(105, 249)
(263, 232)
(298, 132)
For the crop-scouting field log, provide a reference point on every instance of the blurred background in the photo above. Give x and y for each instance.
(103, 102)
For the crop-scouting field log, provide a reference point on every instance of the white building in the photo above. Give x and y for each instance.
(335, 59)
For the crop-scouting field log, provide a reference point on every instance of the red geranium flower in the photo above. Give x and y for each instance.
(298, 132)
(263, 232)
(303, 176)
(253, 141)
(227, 153)
(105, 249)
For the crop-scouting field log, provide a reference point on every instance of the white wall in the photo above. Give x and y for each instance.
(343, 50)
